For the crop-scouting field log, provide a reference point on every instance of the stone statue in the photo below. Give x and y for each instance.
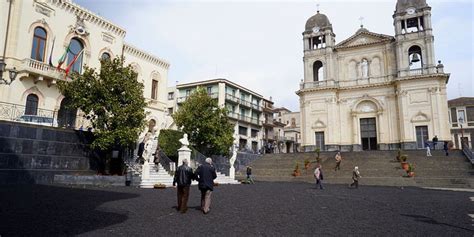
(184, 141)
(364, 68)
(148, 151)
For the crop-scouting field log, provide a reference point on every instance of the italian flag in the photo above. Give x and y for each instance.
(63, 58)
(73, 61)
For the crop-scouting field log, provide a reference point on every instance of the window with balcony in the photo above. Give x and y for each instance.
(39, 44)
(154, 89)
(31, 104)
(75, 50)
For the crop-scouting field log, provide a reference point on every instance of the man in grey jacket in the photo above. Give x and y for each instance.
(183, 176)
(206, 173)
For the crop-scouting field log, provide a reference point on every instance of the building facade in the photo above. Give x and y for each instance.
(245, 109)
(35, 34)
(373, 91)
(461, 118)
(288, 130)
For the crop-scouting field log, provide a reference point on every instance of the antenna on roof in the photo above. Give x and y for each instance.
(317, 7)
(459, 89)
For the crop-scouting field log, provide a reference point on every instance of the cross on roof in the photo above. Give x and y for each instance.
(361, 21)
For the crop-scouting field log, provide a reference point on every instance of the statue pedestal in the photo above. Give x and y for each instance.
(184, 153)
(146, 170)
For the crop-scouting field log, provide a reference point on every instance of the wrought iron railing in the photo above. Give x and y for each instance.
(165, 161)
(467, 152)
(34, 115)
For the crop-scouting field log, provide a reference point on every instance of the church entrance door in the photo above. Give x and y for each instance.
(421, 136)
(368, 131)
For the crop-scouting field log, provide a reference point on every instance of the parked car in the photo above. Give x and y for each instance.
(35, 119)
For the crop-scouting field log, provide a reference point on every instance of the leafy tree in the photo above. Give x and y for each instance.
(113, 101)
(206, 124)
(169, 143)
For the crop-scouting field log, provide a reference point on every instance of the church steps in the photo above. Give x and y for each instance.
(376, 167)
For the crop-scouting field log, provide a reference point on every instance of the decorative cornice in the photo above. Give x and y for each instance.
(89, 16)
(383, 38)
(144, 55)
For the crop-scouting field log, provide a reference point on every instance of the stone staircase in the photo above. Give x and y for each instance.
(376, 167)
(158, 174)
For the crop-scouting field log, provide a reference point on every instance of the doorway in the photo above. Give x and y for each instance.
(320, 141)
(368, 133)
(421, 136)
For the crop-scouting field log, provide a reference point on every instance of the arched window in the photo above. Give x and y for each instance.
(415, 58)
(75, 47)
(66, 116)
(39, 44)
(105, 56)
(318, 71)
(31, 104)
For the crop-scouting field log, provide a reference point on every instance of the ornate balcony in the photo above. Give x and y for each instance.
(333, 84)
(40, 71)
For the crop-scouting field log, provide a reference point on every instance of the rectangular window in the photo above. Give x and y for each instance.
(253, 133)
(461, 116)
(170, 95)
(470, 114)
(188, 92)
(243, 131)
(154, 89)
(320, 141)
(209, 90)
(170, 111)
(454, 118)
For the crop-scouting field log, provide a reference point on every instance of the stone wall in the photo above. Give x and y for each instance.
(34, 154)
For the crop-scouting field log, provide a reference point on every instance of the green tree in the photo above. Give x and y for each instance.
(113, 101)
(169, 143)
(206, 124)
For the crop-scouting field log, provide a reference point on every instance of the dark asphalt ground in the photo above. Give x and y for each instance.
(263, 209)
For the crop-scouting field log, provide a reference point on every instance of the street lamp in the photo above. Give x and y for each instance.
(461, 121)
(11, 72)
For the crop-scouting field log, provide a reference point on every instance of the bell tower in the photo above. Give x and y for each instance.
(318, 41)
(414, 38)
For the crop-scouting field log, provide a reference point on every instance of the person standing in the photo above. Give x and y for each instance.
(355, 177)
(435, 141)
(428, 150)
(249, 175)
(446, 147)
(206, 173)
(183, 177)
(318, 175)
(338, 158)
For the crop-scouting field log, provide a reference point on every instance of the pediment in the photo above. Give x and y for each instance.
(364, 38)
(318, 124)
(420, 117)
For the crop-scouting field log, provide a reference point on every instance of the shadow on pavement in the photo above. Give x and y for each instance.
(430, 220)
(40, 210)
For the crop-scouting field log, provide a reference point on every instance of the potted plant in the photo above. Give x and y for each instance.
(411, 170)
(159, 186)
(297, 172)
(399, 154)
(306, 164)
(403, 161)
(318, 159)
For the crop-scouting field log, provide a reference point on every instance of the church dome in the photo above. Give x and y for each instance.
(402, 5)
(318, 20)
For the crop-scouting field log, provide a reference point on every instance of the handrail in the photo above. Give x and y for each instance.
(164, 160)
(467, 152)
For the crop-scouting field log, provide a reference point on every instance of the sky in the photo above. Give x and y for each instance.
(258, 44)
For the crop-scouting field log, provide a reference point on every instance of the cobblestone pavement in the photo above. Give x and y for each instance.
(263, 209)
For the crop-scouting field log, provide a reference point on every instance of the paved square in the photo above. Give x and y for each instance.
(263, 209)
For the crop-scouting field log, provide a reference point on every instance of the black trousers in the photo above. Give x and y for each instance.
(183, 196)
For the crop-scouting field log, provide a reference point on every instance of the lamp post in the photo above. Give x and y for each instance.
(12, 73)
(461, 121)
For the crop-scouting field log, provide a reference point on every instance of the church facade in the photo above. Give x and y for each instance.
(373, 91)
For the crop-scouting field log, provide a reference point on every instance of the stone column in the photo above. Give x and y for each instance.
(355, 139)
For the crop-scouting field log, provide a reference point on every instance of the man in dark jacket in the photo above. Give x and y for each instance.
(206, 173)
(183, 176)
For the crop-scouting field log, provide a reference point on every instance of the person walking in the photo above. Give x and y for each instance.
(435, 141)
(355, 177)
(249, 175)
(338, 158)
(428, 150)
(446, 147)
(183, 177)
(318, 175)
(206, 173)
